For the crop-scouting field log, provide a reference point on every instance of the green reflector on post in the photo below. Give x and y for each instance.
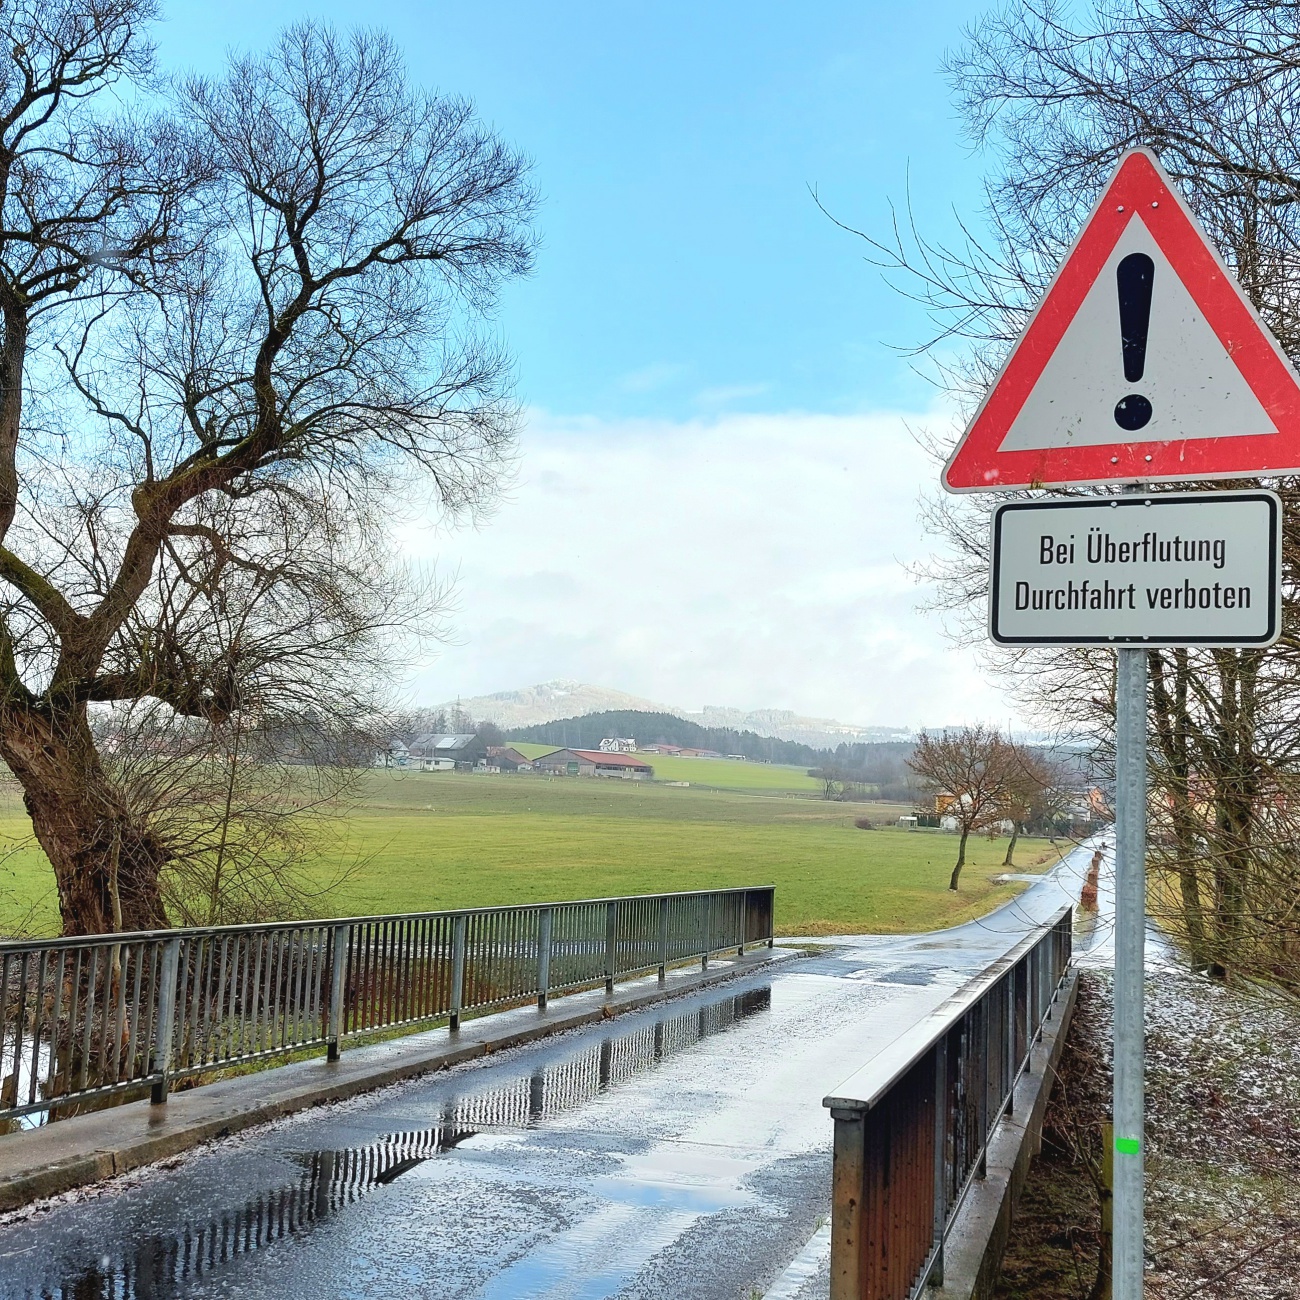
(1128, 1146)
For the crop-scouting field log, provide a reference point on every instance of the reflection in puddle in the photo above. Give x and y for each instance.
(160, 1266)
(614, 1060)
(157, 1266)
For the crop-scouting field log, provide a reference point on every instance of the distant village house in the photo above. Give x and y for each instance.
(435, 752)
(594, 762)
(396, 755)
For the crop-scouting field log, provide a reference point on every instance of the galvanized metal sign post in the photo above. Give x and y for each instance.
(1128, 1104)
(1145, 362)
(1137, 571)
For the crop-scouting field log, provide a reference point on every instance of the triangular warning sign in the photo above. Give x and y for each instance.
(1143, 362)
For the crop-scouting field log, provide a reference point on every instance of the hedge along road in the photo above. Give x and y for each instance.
(677, 1152)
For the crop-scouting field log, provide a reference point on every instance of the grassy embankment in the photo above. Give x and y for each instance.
(432, 840)
(1223, 1159)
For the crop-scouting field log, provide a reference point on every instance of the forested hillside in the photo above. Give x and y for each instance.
(588, 731)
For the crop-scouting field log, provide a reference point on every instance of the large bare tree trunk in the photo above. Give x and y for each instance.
(961, 859)
(106, 861)
(1011, 847)
(1236, 783)
(1172, 733)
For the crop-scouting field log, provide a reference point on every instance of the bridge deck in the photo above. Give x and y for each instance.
(678, 1151)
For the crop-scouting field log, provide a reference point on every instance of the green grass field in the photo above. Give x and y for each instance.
(437, 839)
(713, 773)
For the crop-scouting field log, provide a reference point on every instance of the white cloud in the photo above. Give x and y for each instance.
(749, 560)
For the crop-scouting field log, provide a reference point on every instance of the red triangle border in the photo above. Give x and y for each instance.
(1139, 184)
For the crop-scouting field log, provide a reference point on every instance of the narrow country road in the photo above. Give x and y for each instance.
(677, 1153)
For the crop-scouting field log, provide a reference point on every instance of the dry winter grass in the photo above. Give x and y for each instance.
(1223, 1080)
(1223, 1138)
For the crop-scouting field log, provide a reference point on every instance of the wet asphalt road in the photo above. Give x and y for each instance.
(678, 1153)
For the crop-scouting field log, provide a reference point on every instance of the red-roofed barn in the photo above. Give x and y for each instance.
(592, 762)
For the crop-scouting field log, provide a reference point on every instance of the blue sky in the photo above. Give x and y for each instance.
(685, 267)
(690, 302)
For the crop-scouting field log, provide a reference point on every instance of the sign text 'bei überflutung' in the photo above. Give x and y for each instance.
(1168, 569)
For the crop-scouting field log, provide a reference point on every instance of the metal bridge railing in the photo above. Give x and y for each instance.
(912, 1128)
(82, 1018)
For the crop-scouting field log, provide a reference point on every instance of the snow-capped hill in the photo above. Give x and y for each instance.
(550, 701)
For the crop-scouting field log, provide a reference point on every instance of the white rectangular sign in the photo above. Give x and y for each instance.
(1198, 568)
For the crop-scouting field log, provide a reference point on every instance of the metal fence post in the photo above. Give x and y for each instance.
(1011, 1043)
(983, 1170)
(663, 938)
(610, 937)
(457, 969)
(338, 969)
(544, 956)
(1036, 968)
(744, 921)
(1027, 962)
(940, 1156)
(848, 1182)
(168, 979)
(708, 933)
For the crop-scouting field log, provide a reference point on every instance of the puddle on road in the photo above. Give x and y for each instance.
(157, 1266)
(921, 976)
(654, 1199)
(916, 976)
(577, 1079)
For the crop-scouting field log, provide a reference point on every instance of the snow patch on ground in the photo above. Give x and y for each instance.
(1223, 1140)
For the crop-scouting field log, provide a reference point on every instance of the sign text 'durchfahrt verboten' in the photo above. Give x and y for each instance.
(1169, 569)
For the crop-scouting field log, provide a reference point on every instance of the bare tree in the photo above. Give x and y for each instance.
(1213, 86)
(263, 310)
(248, 807)
(1035, 794)
(490, 734)
(1022, 787)
(969, 768)
(832, 781)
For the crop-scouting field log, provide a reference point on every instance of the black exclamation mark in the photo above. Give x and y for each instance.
(1135, 275)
